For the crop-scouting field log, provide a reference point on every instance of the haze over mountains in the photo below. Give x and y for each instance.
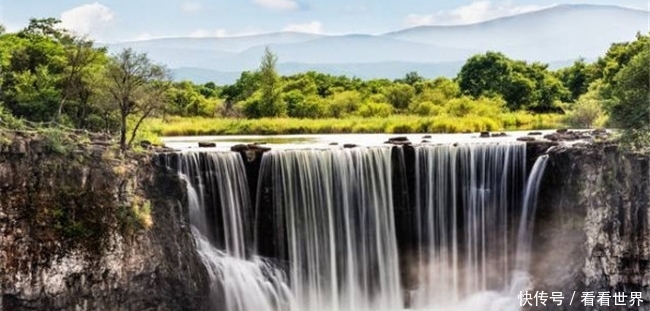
(556, 35)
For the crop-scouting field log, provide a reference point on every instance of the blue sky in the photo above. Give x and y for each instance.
(120, 20)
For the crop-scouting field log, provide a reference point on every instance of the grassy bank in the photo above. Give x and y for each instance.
(177, 126)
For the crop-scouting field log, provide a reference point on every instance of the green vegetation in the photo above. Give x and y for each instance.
(182, 126)
(52, 77)
(61, 87)
(137, 88)
(614, 91)
(532, 87)
(630, 107)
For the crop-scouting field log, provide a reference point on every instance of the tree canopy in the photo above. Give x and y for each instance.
(521, 85)
(50, 75)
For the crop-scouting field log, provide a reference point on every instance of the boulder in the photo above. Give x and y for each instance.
(207, 144)
(526, 138)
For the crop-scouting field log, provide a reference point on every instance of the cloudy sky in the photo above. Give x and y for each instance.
(119, 20)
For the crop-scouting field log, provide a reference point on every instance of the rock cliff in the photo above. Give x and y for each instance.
(592, 229)
(82, 228)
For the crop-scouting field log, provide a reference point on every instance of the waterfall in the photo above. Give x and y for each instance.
(336, 208)
(526, 224)
(218, 201)
(323, 234)
(466, 201)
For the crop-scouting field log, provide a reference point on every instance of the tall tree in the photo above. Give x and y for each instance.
(271, 104)
(137, 87)
(630, 105)
(576, 78)
(82, 61)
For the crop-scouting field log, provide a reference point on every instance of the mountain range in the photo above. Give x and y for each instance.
(556, 35)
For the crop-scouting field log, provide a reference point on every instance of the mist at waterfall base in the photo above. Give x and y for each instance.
(338, 242)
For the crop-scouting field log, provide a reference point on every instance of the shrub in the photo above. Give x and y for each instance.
(373, 109)
(343, 103)
(425, 108)
(585, 113)
(9, 121)
(57, 141)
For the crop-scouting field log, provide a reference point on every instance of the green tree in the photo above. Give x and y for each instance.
(46, 27)
(242, 89)
(485, 75)
(411, 78)
(48, 74)
(576, 78)
(300, 105)
(630, 105)
(187, 99)
(78, 79)
(521, 85)
(617, 57)
(343, 103)
(271, 104)
(32, 68)
(588, 110)
(400, 95)
(137, 87)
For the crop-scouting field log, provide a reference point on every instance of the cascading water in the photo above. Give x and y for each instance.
(218, 201)
(325, 221)
(466, 199)
(336, 208)
(526, 224)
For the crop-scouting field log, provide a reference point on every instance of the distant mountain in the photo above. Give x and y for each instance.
(559, 32)
(555, 35)
(390, 70)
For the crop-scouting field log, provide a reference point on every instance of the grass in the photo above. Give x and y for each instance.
(197, 126)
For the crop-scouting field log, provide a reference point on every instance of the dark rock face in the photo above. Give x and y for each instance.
(90, 231)
(591, 230)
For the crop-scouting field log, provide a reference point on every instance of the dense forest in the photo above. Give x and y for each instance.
(50, 77)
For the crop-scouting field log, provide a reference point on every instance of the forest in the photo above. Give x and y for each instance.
(51, 78)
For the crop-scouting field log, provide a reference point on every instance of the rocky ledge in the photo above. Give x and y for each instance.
(84, 227)
(591, 230)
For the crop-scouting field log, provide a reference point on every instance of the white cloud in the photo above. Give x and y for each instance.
(474, 12)
(314, 27)
(277, 4)
(191, 6)
(86, 18)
